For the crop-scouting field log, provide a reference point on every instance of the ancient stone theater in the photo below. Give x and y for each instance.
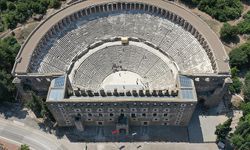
(123, 63)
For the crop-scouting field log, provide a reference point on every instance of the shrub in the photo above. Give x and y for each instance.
(222, 130)
(246, 108)
(1, 26)
(54, 4)
(20, 11)
(3, 5)
(37, 105)
(8, 50)
(244, 25)
(222, 10)
(237, 140)
(235, 87)
(239, 57)
(25, 147)
(11, 6)
(228, 32)
(234, 72)
(9, 20)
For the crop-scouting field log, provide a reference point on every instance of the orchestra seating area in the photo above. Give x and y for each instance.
(96, 67)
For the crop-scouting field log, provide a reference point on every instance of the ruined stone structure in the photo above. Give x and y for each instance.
(122, 63)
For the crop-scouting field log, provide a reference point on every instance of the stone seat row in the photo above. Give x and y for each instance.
(66, 47)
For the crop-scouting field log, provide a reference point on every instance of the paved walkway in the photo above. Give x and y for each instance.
(203, 125)
(38, 140)
(9, 144)
(19, 133)
(237, 114)
(20, 130)
(151, 146)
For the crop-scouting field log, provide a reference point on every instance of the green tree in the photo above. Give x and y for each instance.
(234, 72)
(237, 140)
(241, 137)
(235, 87)
(1, 26)
(54, 4)
(37, 105)
(244, 25)
(45, 3)
(247, 78)
(3, 5)
(19, 11)
(10, 20)
(222, 10)
(23, 12)
(222, 130)
(8, 50)
(25, 147)
(246, 89)
(7, 89)
(38, 8)
(11, 6)
(240, 56)
(245, 108)
(228, 32)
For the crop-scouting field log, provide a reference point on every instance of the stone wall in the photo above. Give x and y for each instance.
(107, 113)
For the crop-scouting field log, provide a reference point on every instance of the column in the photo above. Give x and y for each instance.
(159, 11)
(146, 8)
(150, 8)
(170, 16)
(196, 34)
(79, 14)
(189, 27)
(114, 7)
(87, 11)
(83, 12)
(67, 20)
(167, 15)
(141, 6)
(182, 21)
(101, 8)
(163, 13)
(178, 19)
(118, 6)
(185, 25)
(193, 31)
(129, 6)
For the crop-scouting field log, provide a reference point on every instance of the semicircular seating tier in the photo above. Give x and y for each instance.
(96, 67)
(57, 54)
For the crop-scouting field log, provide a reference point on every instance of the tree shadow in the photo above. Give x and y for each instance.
(194, 128)
(246, 2)
(192, 133)
(188, 4)
(232, 40)
(244, 71)
(9, 110)
(136, 134)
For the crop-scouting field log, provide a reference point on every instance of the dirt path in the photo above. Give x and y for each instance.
(216, 25)
(23, 30)
(245, 10)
